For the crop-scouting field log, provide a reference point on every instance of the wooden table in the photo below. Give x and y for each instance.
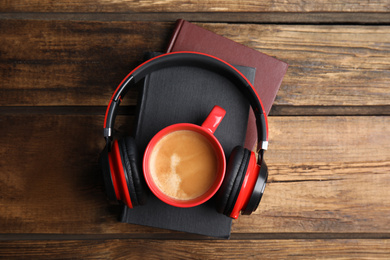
(329, 158)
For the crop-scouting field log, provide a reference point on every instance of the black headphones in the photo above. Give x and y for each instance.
(246, 172)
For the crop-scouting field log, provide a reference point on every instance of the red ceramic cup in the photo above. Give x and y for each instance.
(207, 130)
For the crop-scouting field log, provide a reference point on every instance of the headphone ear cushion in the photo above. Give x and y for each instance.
(235, 173)
(132, 165)
(258, 190)
(106, 172)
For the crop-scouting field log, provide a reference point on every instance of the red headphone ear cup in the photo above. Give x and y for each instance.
(132, 165)
(107, 177)
(235, 173)
(258, 190)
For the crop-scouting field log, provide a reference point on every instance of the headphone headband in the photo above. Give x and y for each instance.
(195, 59)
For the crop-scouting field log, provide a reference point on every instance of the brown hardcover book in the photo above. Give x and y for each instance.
(269, 71)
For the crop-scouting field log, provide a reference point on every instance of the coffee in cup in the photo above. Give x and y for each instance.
(184, 164)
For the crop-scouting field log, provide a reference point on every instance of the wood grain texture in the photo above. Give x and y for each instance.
(327, 174)
(328, 188)
(209, 249)
(59, 61)
(194, 6)
(364, 18)
(328, 65)
(68, 63)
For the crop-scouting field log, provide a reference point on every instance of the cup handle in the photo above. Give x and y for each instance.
(214, 119)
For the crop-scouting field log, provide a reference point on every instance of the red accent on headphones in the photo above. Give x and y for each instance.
(118, 175)
(247, 186)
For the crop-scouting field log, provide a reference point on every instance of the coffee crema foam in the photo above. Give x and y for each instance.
(183, 164)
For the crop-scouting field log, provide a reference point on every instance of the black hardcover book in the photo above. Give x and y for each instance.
(187, 94)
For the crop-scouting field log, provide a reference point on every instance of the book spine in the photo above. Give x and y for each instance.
(176, 31)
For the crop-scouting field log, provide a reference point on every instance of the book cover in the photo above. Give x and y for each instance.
(187, 94)
(269, 71)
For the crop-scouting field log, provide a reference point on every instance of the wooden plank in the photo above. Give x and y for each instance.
(364, 18)
(194, 6)
(283, 110)
(51, 182)
(323, 198)
(202, 249)
(305, 140)
(327, 174)
(329, 65)
(321, 176)
(71, 63)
